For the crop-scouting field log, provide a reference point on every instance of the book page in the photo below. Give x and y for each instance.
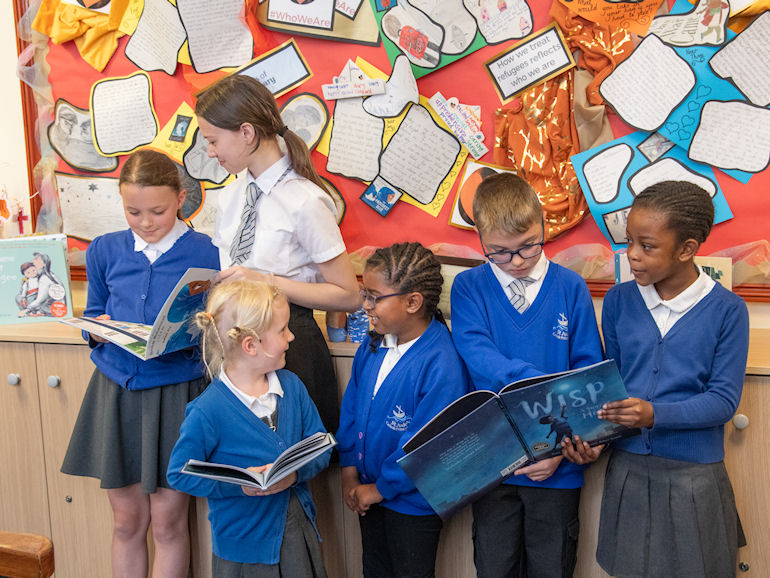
(356, 141)
(159, 35)
(90, 206)
(412, 166)
(744, 61)
(217, 38)
(732, 135)
(122, 115)
(648, 85)
(131, 337)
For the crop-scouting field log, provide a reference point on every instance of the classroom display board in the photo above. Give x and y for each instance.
(407, 105)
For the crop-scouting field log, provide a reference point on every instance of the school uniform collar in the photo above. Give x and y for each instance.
(682, 302)
(390, 341)
(538, 272)
(179, 229)
(273, 388)
(270, 176)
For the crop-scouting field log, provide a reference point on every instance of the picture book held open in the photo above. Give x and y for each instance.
(480, 439)
(173, 328)
(289, 461)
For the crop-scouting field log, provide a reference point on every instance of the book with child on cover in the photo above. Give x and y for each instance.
(173, 328)
(477, 441)
(289, 461)
(34, 279)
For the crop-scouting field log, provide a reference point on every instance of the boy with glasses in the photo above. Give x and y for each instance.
(520, 316)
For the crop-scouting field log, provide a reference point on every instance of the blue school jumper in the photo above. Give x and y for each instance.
(124, 284)
(499, 345)
(693, 376)
(427, 378)
(219, 428)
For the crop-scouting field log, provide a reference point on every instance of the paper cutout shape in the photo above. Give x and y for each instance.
(70, 136)
(310, 14)
(352, 82)
(634, 17)
(199, 165)
(216, 36)
(648, 85)
(499, 21)
(458, 24)
(414, 34)
(381, 196)
(668, 170)
(204, 220)
(122, 116)
(531, 61)
(90, 206)
(413, 167)
(453, 115)
(609, 203)
(733, 135)
(745, 61)
(281, 69)
(306, 115)
(339, 200)
(706, 23)
(655, 146)
(356, 141)
(473, 173)
(158, 37)
(176, 135)
(604, 171)
(400, 90)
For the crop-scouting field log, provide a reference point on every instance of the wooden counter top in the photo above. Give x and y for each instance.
(52, 332)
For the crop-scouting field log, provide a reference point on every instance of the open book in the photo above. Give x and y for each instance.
(480, 439)
(291, 460)
(173, 328)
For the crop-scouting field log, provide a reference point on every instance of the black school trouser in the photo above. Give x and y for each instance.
(398, 545)
(526, 532)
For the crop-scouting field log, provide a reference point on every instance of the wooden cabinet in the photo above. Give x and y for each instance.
(37, 419)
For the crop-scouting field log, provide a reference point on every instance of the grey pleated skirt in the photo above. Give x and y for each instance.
(300, 552)
(664, 518)
(125, 437)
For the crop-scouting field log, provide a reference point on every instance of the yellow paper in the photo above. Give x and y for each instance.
(172, 148)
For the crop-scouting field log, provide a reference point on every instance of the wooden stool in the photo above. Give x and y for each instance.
(25, 555)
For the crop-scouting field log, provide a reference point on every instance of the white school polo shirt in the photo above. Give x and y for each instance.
(296, 225)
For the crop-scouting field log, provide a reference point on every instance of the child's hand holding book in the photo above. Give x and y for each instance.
(279, 486)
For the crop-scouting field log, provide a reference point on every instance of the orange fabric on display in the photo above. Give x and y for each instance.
(95, 34)
(601, 48)
(537, 135)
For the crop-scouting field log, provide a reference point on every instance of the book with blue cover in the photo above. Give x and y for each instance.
(34, 279)
(480, 439)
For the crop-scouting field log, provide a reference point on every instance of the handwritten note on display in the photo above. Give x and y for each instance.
(356, 141)
(159, 35)
(122, 116)
(90, 206)
(538, 57)
(454, 116)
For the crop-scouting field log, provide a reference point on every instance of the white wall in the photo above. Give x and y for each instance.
(13, 163)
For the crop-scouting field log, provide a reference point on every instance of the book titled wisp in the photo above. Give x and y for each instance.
(480, 439)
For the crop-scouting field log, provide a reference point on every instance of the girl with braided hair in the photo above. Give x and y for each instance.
(403, 374)
(252, 411)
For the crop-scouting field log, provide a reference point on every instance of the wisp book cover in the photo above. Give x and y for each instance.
(480, 439)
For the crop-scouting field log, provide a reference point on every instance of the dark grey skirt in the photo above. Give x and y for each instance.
(125, 437)
(300, 552)
(663, 518)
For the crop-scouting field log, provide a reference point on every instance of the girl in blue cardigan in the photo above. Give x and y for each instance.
(403, 375)
(680, 341)
(252, 411)
(130, 415)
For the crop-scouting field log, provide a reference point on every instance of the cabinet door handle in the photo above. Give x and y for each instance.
(14, 379)
(740, 421)
(53, 381)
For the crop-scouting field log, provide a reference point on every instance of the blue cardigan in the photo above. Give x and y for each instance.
(219, 428)
(500, 345)
(693, 377)
(373, 429)
(125, 285)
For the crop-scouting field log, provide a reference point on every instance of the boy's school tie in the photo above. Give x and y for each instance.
(519, 297)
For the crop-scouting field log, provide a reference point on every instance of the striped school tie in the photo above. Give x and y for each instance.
(519, 297)
(241, 250)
